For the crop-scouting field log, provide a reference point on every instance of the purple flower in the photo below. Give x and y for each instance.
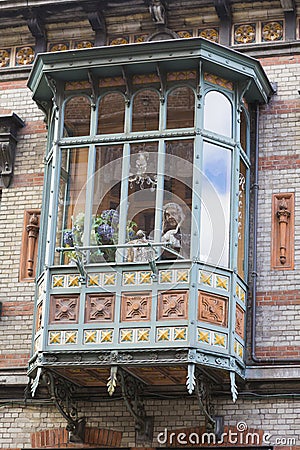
(68, 238)
(110, 216)
(105, 232)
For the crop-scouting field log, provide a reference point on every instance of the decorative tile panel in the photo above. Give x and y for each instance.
(240, 293)
(99, 308)
(212, 34)
(172, 305)
(215, 79)
(212, 338)
(135, 306)
(59, 47)
(98, 336)
(139, 38)
(24, 56)
(212, 309)
(109, 279)
(4, 57)
(240, 321)
(272, 31)
(60, 337)
(214, 280)
(129, 278)
(38, 323)
(146, 78)
(245, 33)
(64, 309)
(166, 276)
(182, 75)
(185, 34)
(182, 276)
(134, 335)
(93, 280)
(120, 41)
(58, 281)
(144, 278)
(73, 280)
(84, 44)
(171, 334)
(238, 349)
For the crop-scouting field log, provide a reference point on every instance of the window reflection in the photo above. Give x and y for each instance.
(181, 108)
(72, 197)
(215, 205)
(177, 204)
(145, 115)
(77, 117)
(111, 114)
(243, 132)
(242, 220)
(218, 113)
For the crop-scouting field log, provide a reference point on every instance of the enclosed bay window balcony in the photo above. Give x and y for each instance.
(143, 259)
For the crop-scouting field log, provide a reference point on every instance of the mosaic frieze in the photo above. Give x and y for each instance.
(120, 41)
(171, 334)
(172, 305)
(64, 309)
(24, 56)
(182, 75)
(210, 279)
(212, 338)
(245, 33)
(103, 336)
(272, 31)
(240, 321)
(99, 308)
(84, 44)
(62, 337)
(185, 34)
(135, 306)
(212, 309)
(174, 276)
(212, 34)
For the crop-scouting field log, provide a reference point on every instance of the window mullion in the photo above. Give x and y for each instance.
(159, 191)
(89, 196)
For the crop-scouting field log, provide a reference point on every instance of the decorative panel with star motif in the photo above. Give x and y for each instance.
(212, 309)
(136, 306)
(172, 305)
(64, 309)
(99, 308)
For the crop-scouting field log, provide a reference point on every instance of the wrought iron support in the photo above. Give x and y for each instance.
(203, 392)
(132, 392)
(62, 392)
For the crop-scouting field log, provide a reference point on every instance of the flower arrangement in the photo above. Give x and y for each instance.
(104, 231)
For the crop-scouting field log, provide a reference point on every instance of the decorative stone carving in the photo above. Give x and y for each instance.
(9, 125)
(244, 34)
(283, 231)
(24, 56)
(64, 309)
(4, 58)
(29, 244)
(99, 308)
(272, 31)
(212, 309)
(158, 12)
(172, 305)
(240, 321)
(212, 34)
(136, 306)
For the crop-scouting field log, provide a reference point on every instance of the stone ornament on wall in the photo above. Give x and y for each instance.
(4, 58)
(59, 47)
(135, 306)
(283, 212)
(29, 246)
(24, 56)
(99, 308)
(212, 34)
(212, 309)
(245, 33)
(64, 309)
(172, 305)
(272, 31)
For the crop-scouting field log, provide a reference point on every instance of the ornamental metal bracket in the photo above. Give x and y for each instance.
(203, 392)
(9, 125)
(132, 392)
(61, 392)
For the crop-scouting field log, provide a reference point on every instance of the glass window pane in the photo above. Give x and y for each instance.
(71, 201)
(215, 205)
(145, 113)
(217, 113)
(181, 108)
(243, 132)
(141, 198)
(77, 117)
(177, 204)
(241, 220)
(111, 114)
(106, 201)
